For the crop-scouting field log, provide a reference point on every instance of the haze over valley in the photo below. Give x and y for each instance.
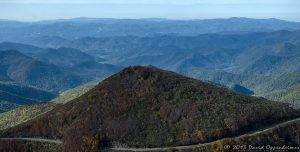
(148, 84)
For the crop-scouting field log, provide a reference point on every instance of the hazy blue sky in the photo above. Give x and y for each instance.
(33, 10)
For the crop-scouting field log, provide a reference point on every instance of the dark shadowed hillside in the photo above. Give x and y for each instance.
(144, 106)
(13, 95)
(26, 92)
(242, 90)
(62, 56)
(23, 48)
(28, 71)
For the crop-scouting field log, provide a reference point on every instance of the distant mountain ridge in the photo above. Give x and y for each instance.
(83, 27)
(230, 52)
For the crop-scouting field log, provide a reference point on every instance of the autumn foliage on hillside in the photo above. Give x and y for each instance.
(143, 106)
(28, 146)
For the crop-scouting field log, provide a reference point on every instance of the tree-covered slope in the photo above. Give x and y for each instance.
(74, 93)
(23, 114)
(27, 112)
(284, 136)
(148, 107)
(274, 65)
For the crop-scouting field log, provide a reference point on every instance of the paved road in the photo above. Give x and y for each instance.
(34, 139)
(204, 144)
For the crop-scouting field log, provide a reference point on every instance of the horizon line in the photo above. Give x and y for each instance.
(146, 18)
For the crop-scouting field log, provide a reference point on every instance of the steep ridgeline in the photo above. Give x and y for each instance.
(143, 106)
(24, 113)
(71, 94)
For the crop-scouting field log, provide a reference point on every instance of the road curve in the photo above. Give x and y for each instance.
(55, 141)
(202, 144)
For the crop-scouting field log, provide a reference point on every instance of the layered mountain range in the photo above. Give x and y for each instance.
(44, 73)
(228, 59)
(60, 30)
(213, 83)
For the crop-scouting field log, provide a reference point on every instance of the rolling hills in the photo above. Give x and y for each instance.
(282, 87)
(143, 106)
(246, 59)
(66, 57)
(251, 53)
(24, 79)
